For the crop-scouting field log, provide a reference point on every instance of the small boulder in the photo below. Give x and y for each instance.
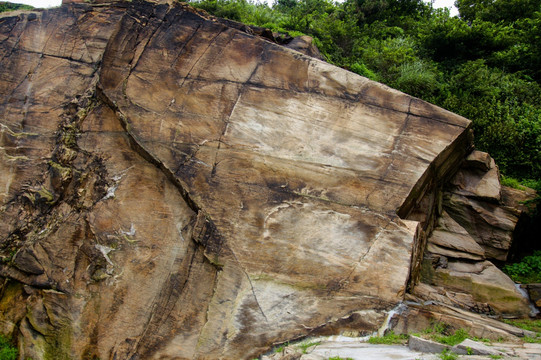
(478, 160)
(470, 347)
(416, 343)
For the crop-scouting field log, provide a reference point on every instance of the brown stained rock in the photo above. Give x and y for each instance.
(534, 291)
(305, 44)
(479, 160)
(426, 346)
(493, 292)
(491, 225)
(519, 199)
(471, 347)
(449, 234)
(178, 188)
(477, 222)
(417, 318)
(484, 184)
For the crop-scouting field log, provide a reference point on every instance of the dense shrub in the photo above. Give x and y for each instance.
(7, 350)
(528, 270)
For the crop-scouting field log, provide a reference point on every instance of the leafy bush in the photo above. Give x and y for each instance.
(362, 70)
(418, 78)
(6, 6)
(528, 270)
(511, 182)
(7, 351)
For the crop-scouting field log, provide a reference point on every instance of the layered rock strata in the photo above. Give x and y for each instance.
(476, 227)
(175, 187)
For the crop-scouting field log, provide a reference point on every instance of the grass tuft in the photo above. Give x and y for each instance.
(304, 346)
(389, 339)
(447, 354)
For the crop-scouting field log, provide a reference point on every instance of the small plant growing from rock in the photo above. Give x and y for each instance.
(441, 333)
(281, 348)
(304, 346)
(447, 354)
(389, 339)
(530, 325)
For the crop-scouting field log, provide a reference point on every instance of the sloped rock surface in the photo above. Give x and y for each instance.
(476, 225)
(173, 187)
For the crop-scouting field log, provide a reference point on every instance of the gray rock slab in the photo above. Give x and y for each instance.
(426, 346)
(470, 347)
(364, 351)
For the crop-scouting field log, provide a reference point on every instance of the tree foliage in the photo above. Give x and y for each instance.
(484, 64)
(5, 6)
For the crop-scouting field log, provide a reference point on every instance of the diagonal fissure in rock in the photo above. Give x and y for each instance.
(137, 145)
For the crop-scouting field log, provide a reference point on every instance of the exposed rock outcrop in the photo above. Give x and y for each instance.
(175, 187)
(476, 226)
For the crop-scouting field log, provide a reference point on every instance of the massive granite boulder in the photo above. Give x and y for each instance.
(176, 187)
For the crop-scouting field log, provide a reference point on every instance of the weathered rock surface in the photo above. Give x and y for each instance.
(175, 187)
(534, 291)
(476, 225)
(418, 317)
(470, 347)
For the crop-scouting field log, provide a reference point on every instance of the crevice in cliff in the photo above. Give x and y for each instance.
(397, 141)
(165, 302)
(137, 145)
(149, 38)
(345, 281)
(181, 50)
(421, 204)
(255, 297)
(202, 54)
(69, 58)
(227, 118)
(18, 40)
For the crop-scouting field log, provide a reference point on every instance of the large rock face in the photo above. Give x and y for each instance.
(173, 187)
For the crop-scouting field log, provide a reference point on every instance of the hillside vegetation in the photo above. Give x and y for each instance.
(6, 6)
(484, 64)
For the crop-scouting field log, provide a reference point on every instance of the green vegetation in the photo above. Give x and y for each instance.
(452, 339)
(447, 354)
(496, 357)
(339, 358)
(5, 6)
(443, 334)
(526, 324)
(304, 346)
(533, 339)
(484, 64)
(7, 350)
(281, 348)
(530, 325)
(528, 270)
(389, 339)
